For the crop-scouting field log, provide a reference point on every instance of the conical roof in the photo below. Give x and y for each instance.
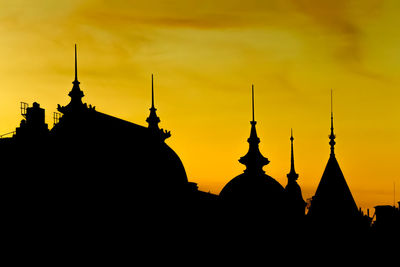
(333, 195)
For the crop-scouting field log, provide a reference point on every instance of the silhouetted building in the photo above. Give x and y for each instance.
(94, 166)
(296, 203)
(111, 175)
(387, 221)
(333, 205)
(254, 196)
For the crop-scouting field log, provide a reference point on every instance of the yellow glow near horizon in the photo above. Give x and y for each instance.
(205, 55)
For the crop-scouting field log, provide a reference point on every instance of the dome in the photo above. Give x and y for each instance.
(253, 192)
(253, 189)
(167, 167)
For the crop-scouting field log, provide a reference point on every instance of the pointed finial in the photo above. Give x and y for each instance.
(152, 91)
(292, 175)
(252, 99)
(331, 109)
(291, 135)
(153, 119)
(253, 160)
(332, 135)
(76, 65)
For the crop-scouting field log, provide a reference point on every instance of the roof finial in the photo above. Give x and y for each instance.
(76, 65)
(76, 93)
(332, 135)
(292, 175)
(152, 91)
(153, 119)
(252, 99)
(253, 160)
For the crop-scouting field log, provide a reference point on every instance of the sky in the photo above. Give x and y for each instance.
(205, 55)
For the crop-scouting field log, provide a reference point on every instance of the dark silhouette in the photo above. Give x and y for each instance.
(333, 207)
(107, 173)
(387, 223)
(296, 203)
(96, 176)
(254, 197)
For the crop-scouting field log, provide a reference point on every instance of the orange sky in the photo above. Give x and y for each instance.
(205, 55)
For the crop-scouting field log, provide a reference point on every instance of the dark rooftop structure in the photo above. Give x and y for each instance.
(253, 192)
(296, 203)
(94, 166)
(333, 204)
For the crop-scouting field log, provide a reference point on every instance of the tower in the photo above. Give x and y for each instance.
(333, 202)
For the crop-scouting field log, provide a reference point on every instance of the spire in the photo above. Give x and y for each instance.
(252, 100)
(253, 160)
(153, 120)
(76, 94)
(292, 175)
(332, 135)
(76, 66)
(152, 92)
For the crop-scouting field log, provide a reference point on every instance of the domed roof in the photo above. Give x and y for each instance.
(253, 188)
(132, 156)
(167, 167)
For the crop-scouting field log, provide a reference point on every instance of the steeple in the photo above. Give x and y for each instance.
(153, 120)
(292, 175)
(332, 135)
(253, 160)
(76, 67)
(76, 93)
(333, 200)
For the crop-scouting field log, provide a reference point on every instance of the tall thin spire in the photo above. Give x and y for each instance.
(76, 65)
(252, 99)
(152, 91)
(253, 160)
(292, 175)
(76, 93)
(332, 135)
(153, 119)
